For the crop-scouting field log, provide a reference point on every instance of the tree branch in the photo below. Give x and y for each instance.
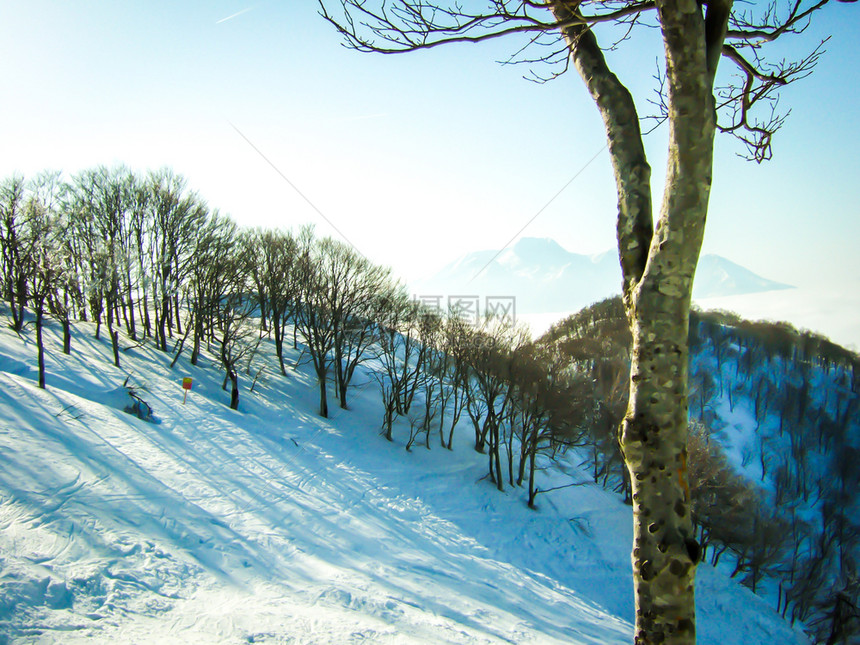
(759, 85)
(769, 27)
(398, 26)
(540, 491)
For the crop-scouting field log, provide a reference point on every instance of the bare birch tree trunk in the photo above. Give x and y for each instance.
(658, 265)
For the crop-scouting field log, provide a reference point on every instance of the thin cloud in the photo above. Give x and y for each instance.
(238, 13)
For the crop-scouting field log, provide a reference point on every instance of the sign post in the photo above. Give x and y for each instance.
(186, 385)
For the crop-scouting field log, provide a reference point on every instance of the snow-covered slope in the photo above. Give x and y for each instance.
(272, 525)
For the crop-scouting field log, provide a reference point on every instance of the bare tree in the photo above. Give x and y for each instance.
(341, 295)
(96, 200)
(544, 402)
(358, 292)
(427, 380)
(490, 355)
(133, 273)
(62, 295)
(838, 622)
(595, 343)
(402, 355)
(208, 283)
(658, 260)
(446, 369)
(33, 261)
(454, 373)
(275, 280)
(233, 312)
(46, 266)
(14, 272)
(314, 317)
(176, 217)
(139, 231)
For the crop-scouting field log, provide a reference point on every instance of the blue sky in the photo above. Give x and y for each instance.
(417, 158)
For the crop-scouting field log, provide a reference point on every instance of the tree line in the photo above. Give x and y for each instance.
(144, 256)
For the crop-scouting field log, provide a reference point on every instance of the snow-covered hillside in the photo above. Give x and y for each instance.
(272, 525)
(782, 406)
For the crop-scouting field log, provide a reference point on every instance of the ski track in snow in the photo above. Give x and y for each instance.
(272, 525)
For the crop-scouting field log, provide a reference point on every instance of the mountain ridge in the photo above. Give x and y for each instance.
(544, 277)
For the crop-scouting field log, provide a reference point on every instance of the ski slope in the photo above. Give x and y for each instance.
(272, 525)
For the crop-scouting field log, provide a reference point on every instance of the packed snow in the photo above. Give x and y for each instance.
(272, 525)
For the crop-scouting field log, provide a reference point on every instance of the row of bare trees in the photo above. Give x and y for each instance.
(87, 247)
(145, 254)
(123, 251)
(435, 369)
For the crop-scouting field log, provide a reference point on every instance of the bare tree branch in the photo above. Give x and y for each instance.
(397, 26)
(746, 101)
(767, 27)
(757, 84)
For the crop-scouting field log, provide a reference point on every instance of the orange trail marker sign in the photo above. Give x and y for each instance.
(186, 385)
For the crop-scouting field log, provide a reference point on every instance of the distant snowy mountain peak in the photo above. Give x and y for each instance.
(544, 277)
(716, 276)
(539, 249)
